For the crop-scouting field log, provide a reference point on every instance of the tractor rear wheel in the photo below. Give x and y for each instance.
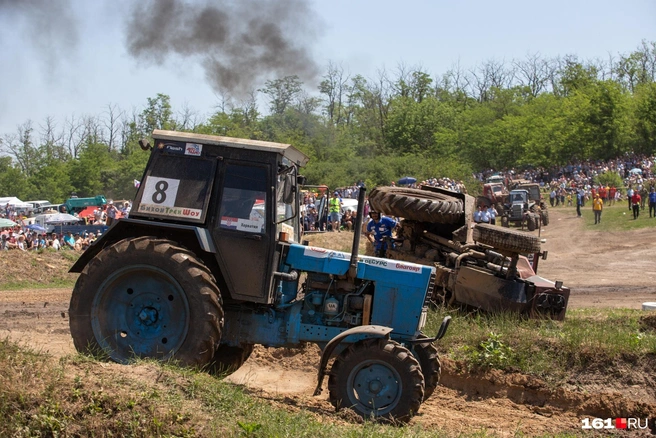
(417, 205)
(506, 239)
(147, 298)
(377, 378)
(228, 359)
(431, 368)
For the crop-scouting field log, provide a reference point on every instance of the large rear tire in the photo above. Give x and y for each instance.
(545, 217)
(147, 298)
(377, 378)
(506, 239)
(416, 205)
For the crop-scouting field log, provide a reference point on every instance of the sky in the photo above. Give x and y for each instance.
(67, 59)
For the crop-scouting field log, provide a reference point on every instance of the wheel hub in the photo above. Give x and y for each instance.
(140, 311)
(148, 316)
(375, 385)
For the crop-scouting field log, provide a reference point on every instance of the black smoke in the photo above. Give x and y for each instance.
(50, 26)
(239, 43)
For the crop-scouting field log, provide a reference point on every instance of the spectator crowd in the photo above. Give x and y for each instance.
(25, 240)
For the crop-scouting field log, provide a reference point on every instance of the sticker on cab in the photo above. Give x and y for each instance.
(159, 197)
(193, 149)
(239, 224)
(393, 265)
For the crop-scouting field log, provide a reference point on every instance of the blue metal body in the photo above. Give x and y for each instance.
(398, 290)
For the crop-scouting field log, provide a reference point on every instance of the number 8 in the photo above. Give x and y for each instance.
(160, 192)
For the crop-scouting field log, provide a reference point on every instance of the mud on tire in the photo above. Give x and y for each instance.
(417, 205)
(506, 239)
(147, 297)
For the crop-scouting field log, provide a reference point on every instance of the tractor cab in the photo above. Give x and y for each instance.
(230, 200)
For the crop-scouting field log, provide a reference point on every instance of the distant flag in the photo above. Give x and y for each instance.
(137, 183)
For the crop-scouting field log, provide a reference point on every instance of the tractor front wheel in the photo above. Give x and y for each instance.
(531, 222)
(431, 368)
(377, 378)
(147, 298)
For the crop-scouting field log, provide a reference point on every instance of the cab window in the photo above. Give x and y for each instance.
(243, 205)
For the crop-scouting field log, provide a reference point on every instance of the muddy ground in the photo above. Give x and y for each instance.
(610, 269)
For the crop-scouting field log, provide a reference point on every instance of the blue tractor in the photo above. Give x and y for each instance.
(209, 264)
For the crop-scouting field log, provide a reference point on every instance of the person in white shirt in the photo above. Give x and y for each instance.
(485, 215)
(493, 214)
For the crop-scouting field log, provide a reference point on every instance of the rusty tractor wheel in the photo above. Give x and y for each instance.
(506, 239)
(147, 298)
(431, 368)
(228, 359)
(417, 205)
(377, 378)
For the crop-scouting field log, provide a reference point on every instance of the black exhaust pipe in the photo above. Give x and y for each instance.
(357, 232)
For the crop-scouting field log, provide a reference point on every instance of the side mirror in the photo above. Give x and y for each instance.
(145, 144)
(301, 180)
(289, 189)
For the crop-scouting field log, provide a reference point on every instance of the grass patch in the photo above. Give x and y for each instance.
(78, 396)
(616, 217)
(37, 269)
(552, 350)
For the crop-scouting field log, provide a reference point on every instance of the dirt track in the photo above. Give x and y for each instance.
(602, 269)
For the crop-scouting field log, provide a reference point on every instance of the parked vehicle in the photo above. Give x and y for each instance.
(39, 207)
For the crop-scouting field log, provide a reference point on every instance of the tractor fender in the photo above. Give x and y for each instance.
(198, 239)
(365, 331)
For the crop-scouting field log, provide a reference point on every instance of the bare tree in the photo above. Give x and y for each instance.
(249, 108)
(113, 125)
(91, 133)
(400, 85)
(73, 135)
(307, 104)
(52, 141)
(21, 148)
(335, 87)
(130, 131)
(491, 74)
(533, 73)
(188, 118)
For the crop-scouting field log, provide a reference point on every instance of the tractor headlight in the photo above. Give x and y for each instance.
(422, 318)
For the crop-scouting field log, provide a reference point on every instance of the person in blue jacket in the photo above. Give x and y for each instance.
(378, 230)
(652, 202)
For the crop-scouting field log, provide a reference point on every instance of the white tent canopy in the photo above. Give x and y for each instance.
(14, 202)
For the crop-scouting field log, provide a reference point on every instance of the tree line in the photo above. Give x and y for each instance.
(535, 111)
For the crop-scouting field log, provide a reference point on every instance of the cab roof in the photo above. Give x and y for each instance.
(286, 150)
